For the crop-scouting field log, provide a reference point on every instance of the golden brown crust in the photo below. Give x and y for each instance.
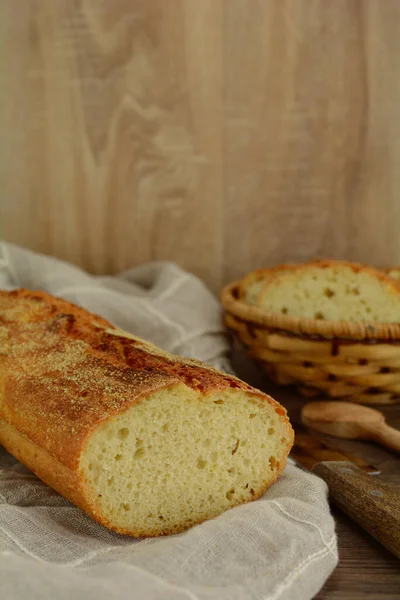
(64, 371)
(47, 468)
(61, 373)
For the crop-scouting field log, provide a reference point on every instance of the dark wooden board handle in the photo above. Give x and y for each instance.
(368, 502)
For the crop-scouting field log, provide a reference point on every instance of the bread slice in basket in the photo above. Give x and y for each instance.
(393, 272)
(332, 290)
(251, 286)
(145, 442)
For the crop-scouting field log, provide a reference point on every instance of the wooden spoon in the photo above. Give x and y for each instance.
(350, 421)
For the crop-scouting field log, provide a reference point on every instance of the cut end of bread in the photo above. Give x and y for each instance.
(333, 291)
(145, 442)
(180, 457)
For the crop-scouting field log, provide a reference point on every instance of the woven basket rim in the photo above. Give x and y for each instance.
(301, 326)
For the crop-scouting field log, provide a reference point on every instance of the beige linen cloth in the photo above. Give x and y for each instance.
(282, 546)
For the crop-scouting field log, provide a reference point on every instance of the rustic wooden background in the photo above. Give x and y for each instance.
(221, 134)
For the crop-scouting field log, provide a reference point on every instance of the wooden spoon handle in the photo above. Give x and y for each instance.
(370, 503)
(389, 437)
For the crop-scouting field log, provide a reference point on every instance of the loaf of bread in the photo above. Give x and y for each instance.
(332, 290)
(145, 442)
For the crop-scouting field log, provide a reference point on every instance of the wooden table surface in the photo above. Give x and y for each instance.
(366, 570)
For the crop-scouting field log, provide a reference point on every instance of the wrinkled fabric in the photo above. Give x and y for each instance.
(282, 546)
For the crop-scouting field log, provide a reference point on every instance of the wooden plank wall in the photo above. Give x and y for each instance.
(221, 134)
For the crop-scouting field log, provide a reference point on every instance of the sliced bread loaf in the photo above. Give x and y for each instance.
(332, 290)
(145, 442)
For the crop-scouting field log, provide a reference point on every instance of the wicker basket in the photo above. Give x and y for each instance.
(348, 361)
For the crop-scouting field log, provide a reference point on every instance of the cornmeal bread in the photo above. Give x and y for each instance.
(145, 442)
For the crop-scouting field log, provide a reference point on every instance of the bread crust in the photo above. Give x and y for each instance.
(64, 371)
